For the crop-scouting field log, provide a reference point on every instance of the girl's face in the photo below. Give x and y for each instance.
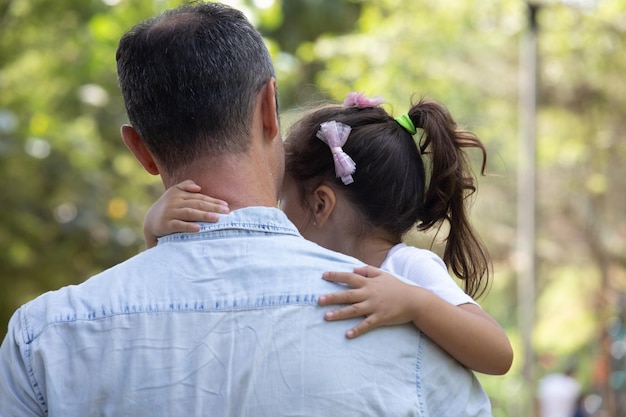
(291, 204)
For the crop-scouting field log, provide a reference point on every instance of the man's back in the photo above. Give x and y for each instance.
(223, 322)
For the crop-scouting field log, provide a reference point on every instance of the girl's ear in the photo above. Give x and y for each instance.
(323, 202)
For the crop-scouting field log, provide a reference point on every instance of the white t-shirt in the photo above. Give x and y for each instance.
(425, 269)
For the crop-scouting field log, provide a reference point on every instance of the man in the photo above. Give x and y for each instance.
(223, 322)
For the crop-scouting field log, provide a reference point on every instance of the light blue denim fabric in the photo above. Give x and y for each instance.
(224, 322)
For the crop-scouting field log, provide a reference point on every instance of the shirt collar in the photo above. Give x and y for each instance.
(251, 219)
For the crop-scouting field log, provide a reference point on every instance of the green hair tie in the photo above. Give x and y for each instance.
(406, 122)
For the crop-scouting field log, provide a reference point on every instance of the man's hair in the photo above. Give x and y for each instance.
(189, 78)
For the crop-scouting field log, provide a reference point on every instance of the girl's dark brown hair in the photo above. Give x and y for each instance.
(390, 189)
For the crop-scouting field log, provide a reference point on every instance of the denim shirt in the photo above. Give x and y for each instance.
(223, 322)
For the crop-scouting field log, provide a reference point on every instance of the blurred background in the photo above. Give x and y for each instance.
(543, 84)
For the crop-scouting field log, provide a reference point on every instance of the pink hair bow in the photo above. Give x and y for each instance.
(359, 101)
(335, 134)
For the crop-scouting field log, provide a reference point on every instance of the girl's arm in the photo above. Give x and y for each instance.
(466, 332)
(177, 208)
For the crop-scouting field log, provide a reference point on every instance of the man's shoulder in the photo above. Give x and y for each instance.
(75, 302)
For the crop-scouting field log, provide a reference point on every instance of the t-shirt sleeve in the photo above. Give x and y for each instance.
(428, 270)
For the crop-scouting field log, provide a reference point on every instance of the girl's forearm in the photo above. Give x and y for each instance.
(466, 332)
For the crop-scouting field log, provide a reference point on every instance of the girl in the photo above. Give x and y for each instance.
(356, 182)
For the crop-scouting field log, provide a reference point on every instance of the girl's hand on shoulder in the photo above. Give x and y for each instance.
(466, 332)
(379, 296)
(177, 209)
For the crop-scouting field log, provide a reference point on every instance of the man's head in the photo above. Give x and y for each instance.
(190, 80)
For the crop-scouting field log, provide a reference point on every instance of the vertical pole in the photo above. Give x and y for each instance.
(526, 204)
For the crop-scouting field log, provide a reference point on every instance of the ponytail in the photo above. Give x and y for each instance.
(450, 184)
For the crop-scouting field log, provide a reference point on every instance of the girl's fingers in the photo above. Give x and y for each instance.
(349, 278)
(355, 279)
(182, 226)
(188, 185)
(202, 201)
(188, 214)
(365, 271)
(363, 327)
(369, 271)
(190, 191)
(349, 312)
(216, 206)
(341, 297)
(196, 202)
(370, 322)
(198, 205)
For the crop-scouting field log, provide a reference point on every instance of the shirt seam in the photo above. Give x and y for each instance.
(27, 339)
(418, 381)
(210, 231)
(283, 301)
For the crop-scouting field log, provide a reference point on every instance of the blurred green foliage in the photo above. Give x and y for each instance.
(72, 199)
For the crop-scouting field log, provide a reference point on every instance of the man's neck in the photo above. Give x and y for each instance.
(232, 178)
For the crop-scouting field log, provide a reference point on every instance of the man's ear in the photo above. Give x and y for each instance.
(323, 202)
(269, 109)
(136, 145)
